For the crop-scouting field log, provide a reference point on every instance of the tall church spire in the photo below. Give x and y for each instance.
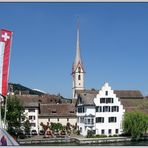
(77, 69)
(78, 60)
(78, 57)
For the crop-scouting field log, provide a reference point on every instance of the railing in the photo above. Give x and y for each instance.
(89, 123)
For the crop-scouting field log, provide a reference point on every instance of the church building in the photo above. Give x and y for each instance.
(101, 111)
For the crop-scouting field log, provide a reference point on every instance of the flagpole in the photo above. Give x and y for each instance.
(0, 113)
(5, 112)
(1, 98)
(7, 84)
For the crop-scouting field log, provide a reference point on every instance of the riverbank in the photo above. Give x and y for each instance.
(75, 140)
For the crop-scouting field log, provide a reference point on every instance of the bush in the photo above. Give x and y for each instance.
(115, 135)
(100, 136)
(90, 134)
(78, 132)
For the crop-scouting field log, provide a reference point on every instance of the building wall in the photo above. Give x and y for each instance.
(114, 127)
(34, 115)
(62, 120)
(78, 84)
(118, 114)
(81, 119)
(43, 120)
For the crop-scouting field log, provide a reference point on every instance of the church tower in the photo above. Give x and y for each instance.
(77, 69)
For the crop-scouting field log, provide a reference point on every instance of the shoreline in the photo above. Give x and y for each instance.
(77, 141)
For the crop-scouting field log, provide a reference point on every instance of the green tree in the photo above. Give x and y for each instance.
(56, 126)
(15, 111)
(135, 124)
(27, 126)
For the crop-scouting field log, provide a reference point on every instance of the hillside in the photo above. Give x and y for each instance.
(16, 88)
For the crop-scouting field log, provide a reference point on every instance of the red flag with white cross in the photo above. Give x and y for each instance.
(5, 45)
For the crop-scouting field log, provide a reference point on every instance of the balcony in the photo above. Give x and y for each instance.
(90, 124)
(89, 120)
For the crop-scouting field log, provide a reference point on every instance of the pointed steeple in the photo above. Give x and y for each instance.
(77, 68)
(78, 60)
(78, 57)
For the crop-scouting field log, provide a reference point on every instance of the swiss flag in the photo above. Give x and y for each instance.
(5, 43)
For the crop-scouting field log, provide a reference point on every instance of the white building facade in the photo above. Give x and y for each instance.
(101, 113)
(31, 113)
(108, 112)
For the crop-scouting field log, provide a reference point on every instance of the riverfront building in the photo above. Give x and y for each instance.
(101, 111)
(47, 108)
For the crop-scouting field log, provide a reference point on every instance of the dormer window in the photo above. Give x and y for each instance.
(54, 111)
(71, 112)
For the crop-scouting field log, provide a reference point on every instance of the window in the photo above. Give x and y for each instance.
(81, 119)
(71, 112)
(53, 111)
(99, 119)
(31, 117)
(112, 119)
(88, 120)
(23, 118)
(33, 124)
(80, 110)
(80, 129)
(102, 100)
(79, 77)
(31, 110)
(109, 131)
(116, 131)
(98, 108)
(109, 100)
(106, 108)
(106, 100)
(102, 132)
(115, 108)
(106, 93)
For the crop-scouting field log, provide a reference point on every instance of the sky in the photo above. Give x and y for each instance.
(113, 42)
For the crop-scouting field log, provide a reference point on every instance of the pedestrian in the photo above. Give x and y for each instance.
(3, 141)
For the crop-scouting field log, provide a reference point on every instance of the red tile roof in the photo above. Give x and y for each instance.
(57, 110)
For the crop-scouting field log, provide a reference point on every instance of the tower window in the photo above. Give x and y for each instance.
(79, 69)
(79, 77)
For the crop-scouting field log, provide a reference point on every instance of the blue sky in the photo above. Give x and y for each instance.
(113, 41)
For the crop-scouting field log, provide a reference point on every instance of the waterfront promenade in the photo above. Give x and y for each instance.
(70, 139)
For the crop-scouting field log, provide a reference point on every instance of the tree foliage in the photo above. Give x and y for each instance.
(14, 113)
(135, 124)
(56, 126)
(27, 126)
